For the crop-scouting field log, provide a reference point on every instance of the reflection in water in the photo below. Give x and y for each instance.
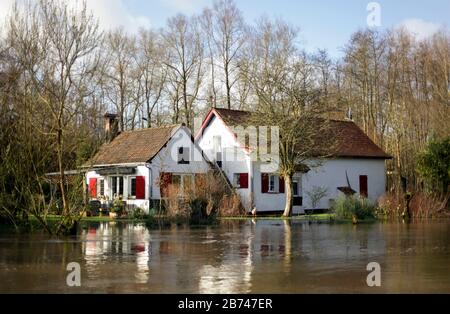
(234, 272)
(235, 257)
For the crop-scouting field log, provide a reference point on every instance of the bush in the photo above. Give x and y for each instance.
(422, 205)
(231, 206)
(347, 207)
(434, 165)
(208, 198)
(137, 214)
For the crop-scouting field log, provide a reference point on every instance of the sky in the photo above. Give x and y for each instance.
(324, 24)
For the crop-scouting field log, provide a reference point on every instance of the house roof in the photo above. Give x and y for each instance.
(234, 117)
(134, 146)
(351, 140)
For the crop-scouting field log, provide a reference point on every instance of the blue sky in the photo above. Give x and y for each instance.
(323, 23)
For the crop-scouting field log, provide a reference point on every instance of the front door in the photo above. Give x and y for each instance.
(363, 186)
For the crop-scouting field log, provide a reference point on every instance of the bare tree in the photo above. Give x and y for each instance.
(185, 50)
(281, 78)
(153, 74)
(57, 48)
(229, 34)
(120, 74)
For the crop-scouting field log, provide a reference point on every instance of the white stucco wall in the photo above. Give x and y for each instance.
(331, 175)
(234, 158)
(167, 160)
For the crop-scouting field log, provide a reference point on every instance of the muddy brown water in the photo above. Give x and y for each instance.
(261, 256)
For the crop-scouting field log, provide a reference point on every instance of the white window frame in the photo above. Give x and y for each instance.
(296, 192)
(273, 189)
(130, 179)
(99, 185)
(185, 157)
(237, 180)
(117, 178)
(182, 178)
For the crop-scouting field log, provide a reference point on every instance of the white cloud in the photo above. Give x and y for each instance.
(420, 28)
(185, 6)
(114, 13)
(5, 8)
(110, 14)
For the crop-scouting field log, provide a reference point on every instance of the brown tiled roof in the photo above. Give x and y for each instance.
(133, 146)
(234, 117)
(351, 141)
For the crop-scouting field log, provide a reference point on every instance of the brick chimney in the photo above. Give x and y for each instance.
(111, 126)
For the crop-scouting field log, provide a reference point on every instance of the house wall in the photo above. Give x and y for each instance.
(331, 175)
(141, 170)
(165, 161)
(234, 158)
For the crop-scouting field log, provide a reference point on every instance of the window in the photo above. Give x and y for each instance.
(117, 186)
(183, 155)
(176, 180)
(182, 183)
(219, 159)
(187, 183)
(297, 191)
(133, 187)
(240, 180)
(237, 180)
(272, 181)
(297, 187)
(217, 146)
(217, 142)
(101, 187)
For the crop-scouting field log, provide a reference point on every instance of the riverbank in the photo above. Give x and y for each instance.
(330, 217)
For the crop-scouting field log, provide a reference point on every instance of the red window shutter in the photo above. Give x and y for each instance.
(264, 183)
(140, 188)
(363, 186)
(243, 180)
(93, 187)
(281, 185)
(164, 182)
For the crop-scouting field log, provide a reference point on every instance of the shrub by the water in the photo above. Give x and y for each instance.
(348, 207)
(202, 202)
(422, 205)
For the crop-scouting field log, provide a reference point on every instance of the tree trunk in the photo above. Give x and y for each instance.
(61, 171)
(227, 83)
(289, 199)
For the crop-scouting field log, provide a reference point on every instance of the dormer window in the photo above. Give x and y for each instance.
(183, 156)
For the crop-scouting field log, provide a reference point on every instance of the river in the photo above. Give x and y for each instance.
(259, 256)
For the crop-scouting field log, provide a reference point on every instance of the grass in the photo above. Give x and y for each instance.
(321, 217)
(92, 219)
(328, 217)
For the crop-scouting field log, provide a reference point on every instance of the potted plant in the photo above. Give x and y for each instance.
(117, 208)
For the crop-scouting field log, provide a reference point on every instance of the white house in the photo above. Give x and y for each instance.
(358, 165)
(132, 164)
